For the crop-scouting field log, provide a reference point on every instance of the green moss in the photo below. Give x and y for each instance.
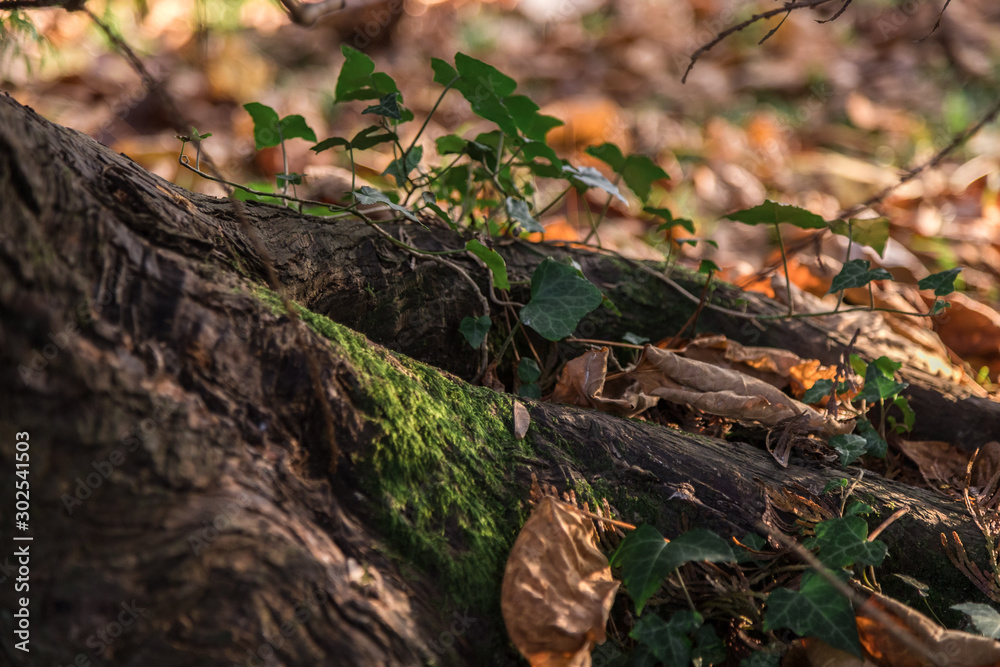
(438, 469)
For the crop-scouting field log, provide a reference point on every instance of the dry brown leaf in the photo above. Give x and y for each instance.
(557, 588)
(522, 420)
(661, 374)
(937, 460)
(943, 646)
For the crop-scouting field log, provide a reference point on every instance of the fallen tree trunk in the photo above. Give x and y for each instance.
(183, 509)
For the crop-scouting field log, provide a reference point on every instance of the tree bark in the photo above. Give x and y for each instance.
(182, 507)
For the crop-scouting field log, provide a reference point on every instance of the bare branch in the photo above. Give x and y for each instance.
(787, 7)
(307, 13)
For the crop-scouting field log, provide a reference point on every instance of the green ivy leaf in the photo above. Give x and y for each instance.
(909, 416)
(475, 329)
(363, 140)
(835, 485)
(369, 195)
(484, 86)
(762, 659)
(669, 642)
(295, 127)
(872, 232)
(358, 80)
(771, 213)
(643, 557)
(942, 283)
(640, 173)
(609, 154)
(589, 177)
(984, 618)
(816, 610)
(532, 124)
(875, 445)
(291, 179)
(708, 646)
(528, 370)
(530, 391)
(939, 306)
(858, 508)
(560, 297)
(518, 210)
(857, 274)
(646, 558)
(388, 106)
(849, 445)
(816, 393)
(401, 167)
(265, 125)
(493, 260)
(879, 382)
(843, 542)
(669, 219)
(708, 266)
(450, 144)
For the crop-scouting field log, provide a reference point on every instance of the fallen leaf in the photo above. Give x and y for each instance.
(661, 374)
(557, 588)
(959, 649)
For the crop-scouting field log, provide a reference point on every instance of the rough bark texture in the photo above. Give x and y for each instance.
(181, 507)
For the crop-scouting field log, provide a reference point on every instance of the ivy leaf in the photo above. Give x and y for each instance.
(646, 558)
(909, 416)
(475, 329)
(517, 209)
(591, 178)
(942, 283)
(532, 124)
(530, 391)
(560, 297)
(816, 393)
(388, 106)
(295, 127)
(528, 370)
(493, 261)
(401, 167)
(484, 86)
(984, 617)
(843, 542)
(291, 179)
(939, 306)
(369, 195)
(640, 174)
(873, 232)
(771, 213)
(816, 610)
(450, 144)
(367, 138)
(431, 203)
(609, 154)
(358, 80)
(644, 562)
(856, 274)
(875, 445)
(879, 382)
(669, 220)
(265, 125)
(850, 446)
(669, 642)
